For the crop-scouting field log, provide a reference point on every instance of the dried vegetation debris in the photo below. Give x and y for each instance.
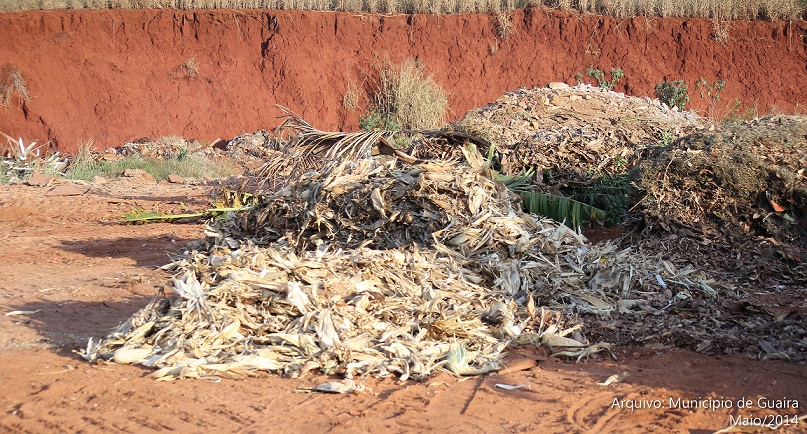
(732, 324)
(576, 132)
(739, 208)
(380, 267)
(251, 150)
(737, 193)
(147, 147)
(374, 266)
(247, 151)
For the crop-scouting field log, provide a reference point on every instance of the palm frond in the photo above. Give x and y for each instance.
(518, 183)
(562, 209)
(310, 148)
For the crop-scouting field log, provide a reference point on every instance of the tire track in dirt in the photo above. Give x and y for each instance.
(15, 428)
(589, 412)
(746, 384)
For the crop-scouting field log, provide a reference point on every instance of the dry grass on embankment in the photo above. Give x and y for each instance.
(716, 9)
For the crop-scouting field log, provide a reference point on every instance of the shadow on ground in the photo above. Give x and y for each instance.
(146, 251)
(66, 327)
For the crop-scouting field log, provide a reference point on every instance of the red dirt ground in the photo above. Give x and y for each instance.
(68, 259)
(115, 75)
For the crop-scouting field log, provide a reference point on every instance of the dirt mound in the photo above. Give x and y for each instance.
(739, 189)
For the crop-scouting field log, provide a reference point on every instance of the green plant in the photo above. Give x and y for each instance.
(608, 193)
(183, 153)
(378, 121)
(227, 201)
(673, 93)
(86, 166)
(710, 91)
(616, 75)
(519, 183)
(667, 138)
(568, 211)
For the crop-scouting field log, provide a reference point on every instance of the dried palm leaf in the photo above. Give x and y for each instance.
(310, 148)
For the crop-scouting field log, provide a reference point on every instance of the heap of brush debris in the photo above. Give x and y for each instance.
(365, 265)
(570, 135)
(735, 195)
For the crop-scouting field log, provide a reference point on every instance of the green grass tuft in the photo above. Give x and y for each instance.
(85, 166)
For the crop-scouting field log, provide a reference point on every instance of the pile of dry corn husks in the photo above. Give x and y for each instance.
(379, 267)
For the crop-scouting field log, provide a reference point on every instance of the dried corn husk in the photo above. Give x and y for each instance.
(383, 268)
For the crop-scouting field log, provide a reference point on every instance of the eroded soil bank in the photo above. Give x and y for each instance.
(116, 75)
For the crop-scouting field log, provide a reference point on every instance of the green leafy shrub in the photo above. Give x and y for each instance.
(616, 75)
(673, 93)
(710, 91)
(599, 76)
(378, 121)
(608, 193)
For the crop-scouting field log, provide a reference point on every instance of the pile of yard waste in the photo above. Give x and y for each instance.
(734, 196)
(727, 198)
(359, 264)
(569, 135)
(374, 266)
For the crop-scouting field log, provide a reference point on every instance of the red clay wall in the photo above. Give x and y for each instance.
(114, 75)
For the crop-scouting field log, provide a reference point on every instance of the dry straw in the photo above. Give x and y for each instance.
(722, 9)
(12, 83)
(374, 266)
